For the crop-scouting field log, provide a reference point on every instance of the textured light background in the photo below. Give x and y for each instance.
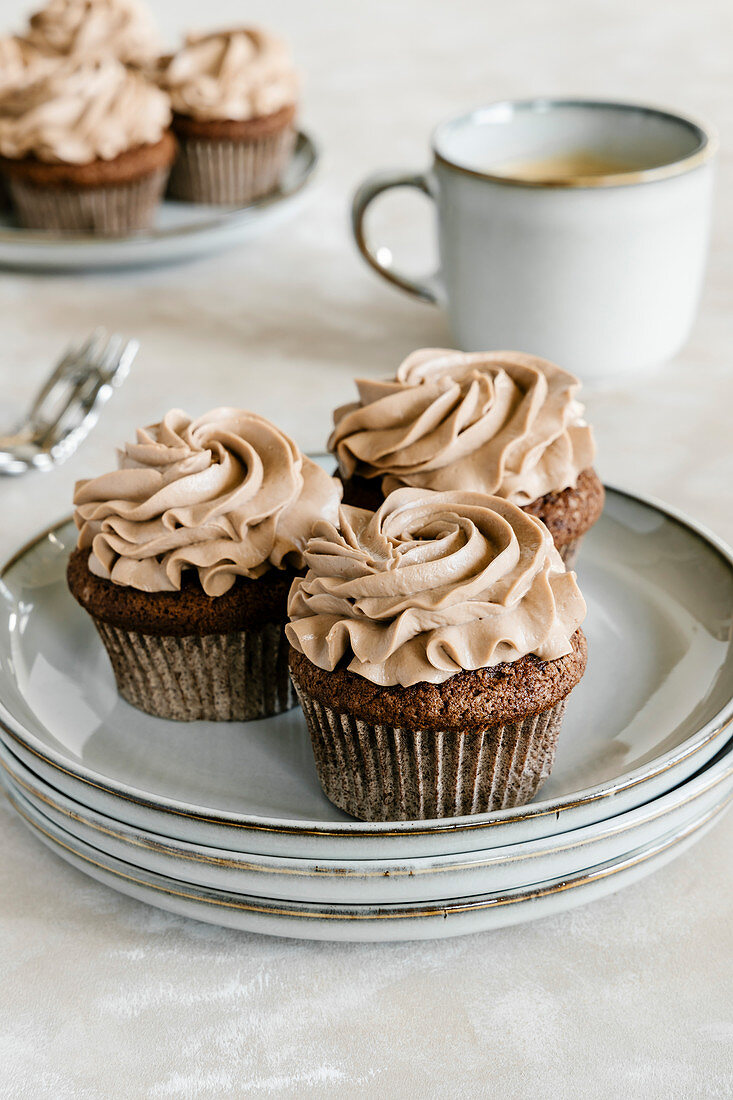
(101, 996)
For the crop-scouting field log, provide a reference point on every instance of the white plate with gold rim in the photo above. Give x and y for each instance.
(651, 710)
(181, 231)
(384, 881)
(363, 923)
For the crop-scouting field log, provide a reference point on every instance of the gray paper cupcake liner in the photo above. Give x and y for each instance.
(217, 677)
(230, 172)
(104, 211)
(385, 773)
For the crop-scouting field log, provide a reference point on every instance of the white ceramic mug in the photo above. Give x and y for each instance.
(600, 273)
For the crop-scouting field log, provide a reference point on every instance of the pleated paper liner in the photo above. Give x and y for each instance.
(216, 677)
(225, 172)
(108, 211)
(385, 773)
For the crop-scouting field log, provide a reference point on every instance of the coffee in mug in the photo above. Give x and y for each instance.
(572, 229)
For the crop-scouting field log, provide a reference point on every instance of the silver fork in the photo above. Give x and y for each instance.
(67, 406)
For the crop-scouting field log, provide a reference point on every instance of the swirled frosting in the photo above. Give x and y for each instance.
(88, 29)
(79, 112)
(228, 494)
(432, 584)
(494, 422)
(20, 62)
(237, 74)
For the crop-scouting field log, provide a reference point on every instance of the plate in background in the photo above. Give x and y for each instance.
(182, 231)
(651, 710)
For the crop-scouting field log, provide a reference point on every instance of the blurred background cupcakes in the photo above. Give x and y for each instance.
(494, 422)
(185, 557)
(434, 644)
(234, 97)
(86, 29)
(86, 147)
(20, 63)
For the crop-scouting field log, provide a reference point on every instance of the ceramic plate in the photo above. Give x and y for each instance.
(181, 231)
(651, 710)
(363, 923)
(426, 878)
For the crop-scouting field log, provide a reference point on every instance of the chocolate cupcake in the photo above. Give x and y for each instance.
(493, 422)
(234, 100)
(20, 63)
(86, 148)
(89, 29)
(185, 557)
(434, 645)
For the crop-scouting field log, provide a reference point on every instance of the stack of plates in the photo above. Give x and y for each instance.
(226, 822)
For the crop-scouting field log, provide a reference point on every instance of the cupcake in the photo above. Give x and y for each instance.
(185, 557)
(88, 29)
(233, 95)
(434, 645)
(86, 148)
(492, 422)
(20, 63)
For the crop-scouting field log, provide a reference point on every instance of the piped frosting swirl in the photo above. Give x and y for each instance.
(80, 112)
(87, 29)
(494, 422)
(432, 584)
(230, 75)
(20, 62)
(228, 494)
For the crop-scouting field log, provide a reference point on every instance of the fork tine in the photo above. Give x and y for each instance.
(102, 374)
(110, 354)
(60, 418)
(127, 356)
(73, 358)
(46, 432)
(75, 395)
(59, 442)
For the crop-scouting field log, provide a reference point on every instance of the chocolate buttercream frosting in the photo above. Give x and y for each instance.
(20, 62)
(432, 584)
(79, 112)
(495, 422)
(228, 495)
(230, 75)
(88, 29)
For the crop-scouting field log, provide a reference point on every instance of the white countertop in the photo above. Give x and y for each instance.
(102, 996)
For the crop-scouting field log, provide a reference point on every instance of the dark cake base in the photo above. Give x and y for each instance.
(187, 656)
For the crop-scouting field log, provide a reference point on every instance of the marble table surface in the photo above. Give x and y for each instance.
(101, 996)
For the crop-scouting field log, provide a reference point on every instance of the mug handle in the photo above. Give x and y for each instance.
(428, 289)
